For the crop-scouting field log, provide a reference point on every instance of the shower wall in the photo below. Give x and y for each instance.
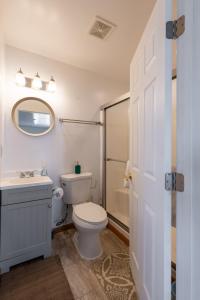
(117, 154)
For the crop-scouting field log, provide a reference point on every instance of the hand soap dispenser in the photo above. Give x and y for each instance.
(77, 168)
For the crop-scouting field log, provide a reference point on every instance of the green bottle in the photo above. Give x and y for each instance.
(77, 168)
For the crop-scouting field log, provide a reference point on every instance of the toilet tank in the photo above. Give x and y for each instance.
(76, 187)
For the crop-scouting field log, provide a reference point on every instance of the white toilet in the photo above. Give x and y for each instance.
(89, 218)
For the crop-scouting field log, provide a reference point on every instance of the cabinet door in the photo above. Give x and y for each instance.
(25, 227)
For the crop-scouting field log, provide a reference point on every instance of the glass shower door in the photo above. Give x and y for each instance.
(117, 153)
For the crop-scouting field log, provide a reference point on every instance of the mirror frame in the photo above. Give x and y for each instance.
(40, 100)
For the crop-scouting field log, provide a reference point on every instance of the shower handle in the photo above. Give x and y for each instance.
(115, 160)
(130, 177)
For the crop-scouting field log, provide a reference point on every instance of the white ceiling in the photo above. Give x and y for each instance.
(59, 29)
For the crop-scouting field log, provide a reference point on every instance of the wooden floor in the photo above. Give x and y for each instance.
(81, 278)
(39, 279)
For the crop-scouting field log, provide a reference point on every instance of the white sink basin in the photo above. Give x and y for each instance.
(13, 183)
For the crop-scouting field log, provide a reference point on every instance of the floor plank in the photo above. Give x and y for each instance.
(37, 279)
(79, 272)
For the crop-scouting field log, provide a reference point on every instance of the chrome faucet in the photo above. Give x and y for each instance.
(22, 175)
(26, 174)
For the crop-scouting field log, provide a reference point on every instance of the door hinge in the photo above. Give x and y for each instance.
(175, 28)
(174, 182)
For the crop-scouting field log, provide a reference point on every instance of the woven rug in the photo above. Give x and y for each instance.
(36, 280)
(114, 274)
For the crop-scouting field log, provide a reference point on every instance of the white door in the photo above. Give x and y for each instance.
(150, 156)
(188, 153)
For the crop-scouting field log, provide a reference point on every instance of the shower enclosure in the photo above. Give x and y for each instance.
(116, 155)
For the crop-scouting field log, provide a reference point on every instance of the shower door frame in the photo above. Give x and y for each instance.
(123, 98)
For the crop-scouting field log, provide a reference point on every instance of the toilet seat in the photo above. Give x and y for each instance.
(90, 213)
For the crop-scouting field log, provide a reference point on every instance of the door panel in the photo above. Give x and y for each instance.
(117, 154)
(135, 135)
(149, 250)
(150, 155)
(23, 233)
(149, 129)
(188, 149)
(114, 182)
(117, 131)
(117, 196)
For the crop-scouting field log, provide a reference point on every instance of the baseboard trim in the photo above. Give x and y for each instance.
(109, 226)
(118, 233)
(62, 228)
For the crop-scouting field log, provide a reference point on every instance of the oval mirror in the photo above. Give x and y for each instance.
(33, 116)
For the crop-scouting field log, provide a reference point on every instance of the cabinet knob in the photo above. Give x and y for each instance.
(49, 205)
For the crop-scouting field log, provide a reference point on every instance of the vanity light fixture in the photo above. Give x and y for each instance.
(20, 78)
(51, 86)
(36, 82)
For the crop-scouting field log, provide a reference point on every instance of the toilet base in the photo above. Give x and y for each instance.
(88, 245)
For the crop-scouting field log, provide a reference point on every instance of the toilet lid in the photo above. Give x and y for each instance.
(90, 212)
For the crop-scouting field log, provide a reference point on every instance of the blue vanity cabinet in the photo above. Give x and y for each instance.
(25, 224)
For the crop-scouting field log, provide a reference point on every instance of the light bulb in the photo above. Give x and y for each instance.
(20, 79)
(36, 82)
(51, 85)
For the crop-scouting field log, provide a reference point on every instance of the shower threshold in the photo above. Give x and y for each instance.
(120, 220)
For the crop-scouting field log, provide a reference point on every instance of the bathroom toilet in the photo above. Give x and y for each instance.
(89, 218)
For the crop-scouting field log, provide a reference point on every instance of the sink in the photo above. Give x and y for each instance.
(16, 182)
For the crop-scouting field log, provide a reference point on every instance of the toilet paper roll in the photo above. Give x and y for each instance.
(58, 193)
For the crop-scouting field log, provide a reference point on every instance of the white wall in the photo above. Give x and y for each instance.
(79, 95)
(1, 100)
(1, 82)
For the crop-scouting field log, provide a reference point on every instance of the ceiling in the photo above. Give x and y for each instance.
(58, 29)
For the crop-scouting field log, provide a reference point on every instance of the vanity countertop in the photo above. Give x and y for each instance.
(16, 182)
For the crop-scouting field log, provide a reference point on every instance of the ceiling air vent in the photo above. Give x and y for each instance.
(101, 28)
